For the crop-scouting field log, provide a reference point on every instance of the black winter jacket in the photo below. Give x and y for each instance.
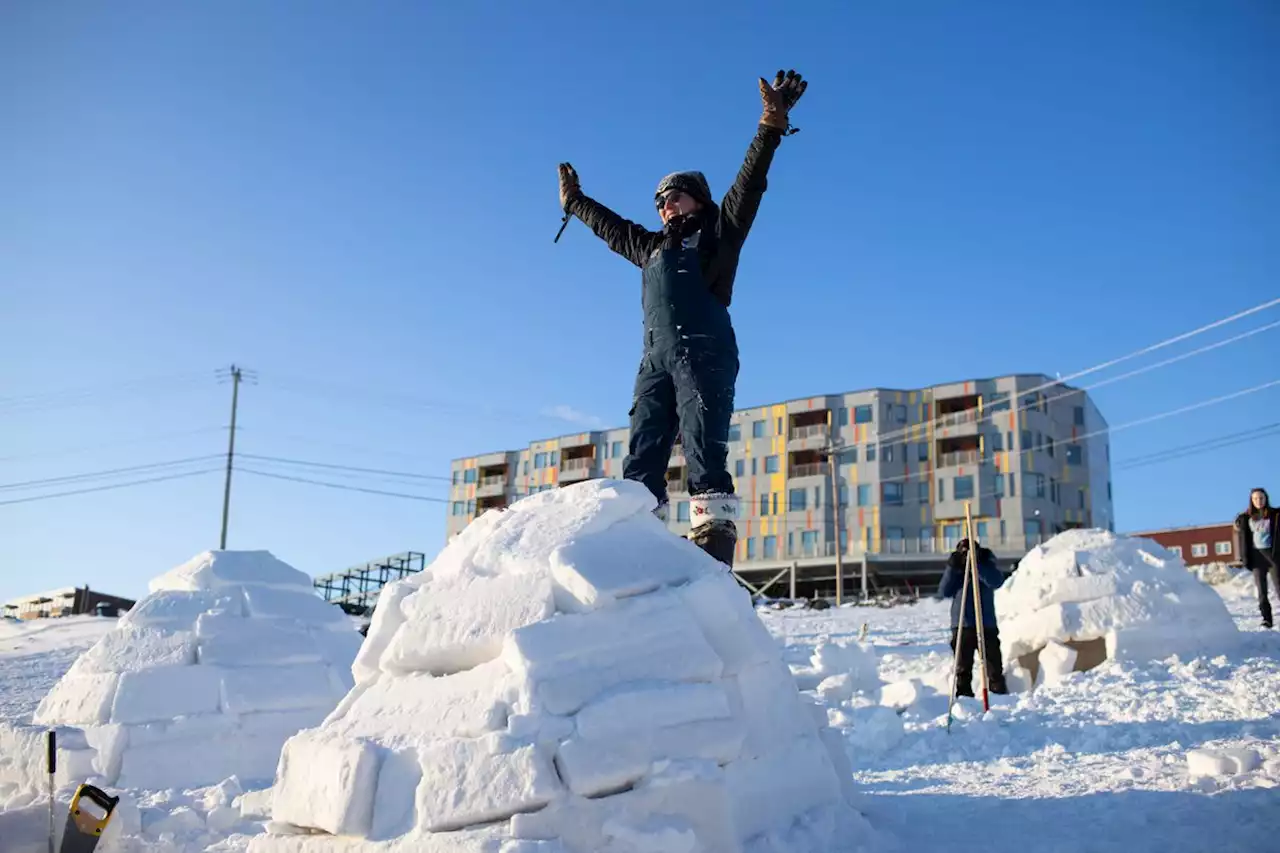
(1244, 539)
(729, 223)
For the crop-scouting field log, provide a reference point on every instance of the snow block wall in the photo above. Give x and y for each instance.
(205, 678)
(568, 677)
(1130, 594)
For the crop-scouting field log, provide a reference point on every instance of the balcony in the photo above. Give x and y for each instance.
(958, 416)
(676, 479)
(494, 484)
(958, 457)
(819, 431)
(577, 468)
(808, 469)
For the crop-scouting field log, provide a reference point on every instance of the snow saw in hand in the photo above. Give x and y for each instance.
(84, 827)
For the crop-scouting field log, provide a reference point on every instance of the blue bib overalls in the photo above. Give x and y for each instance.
(687, 375)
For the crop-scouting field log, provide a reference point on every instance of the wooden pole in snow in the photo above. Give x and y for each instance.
(955, 657)
(972, 569)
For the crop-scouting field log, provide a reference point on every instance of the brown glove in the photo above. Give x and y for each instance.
(569, 187)
(779, 97)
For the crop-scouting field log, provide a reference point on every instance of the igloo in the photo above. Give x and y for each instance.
(568, 677)
(1087, 596)
(230, 654)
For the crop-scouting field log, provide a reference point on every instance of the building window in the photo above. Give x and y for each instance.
(751, 549)
(844, 494)
(888, 453)
(735, 432)
(1026, 440)
(682, 511)
(844, 541)
(456, 475)
(1031, 530)
(795, 500)
(962, 488)
(1080, 495)
(775, 502)
(470, 475)
(871, 453)
(843, 417)
(754, 461)
(896, 413)
(999, 402)
(1013, 485)
(982, 531)
(922, 491)
(864, 494)
(951, 536)
(894, 540)
(771, 464)
(942, 491)
(758, 428)
(1222, 549)
(926, 541)
(1033, 485)
(922, 452)
(817, 497)
(848, 457)
(999, 483)
(770, 547)
(740, 468)
(1002, 530)
(778, 430)
(809, 542)
(618, 449)
(1075, 454)
(1199, 549)
(539, 460)
(457, 507)
(997, 442)
(1176, 549)
(891, 494)
(764, 503)
(555, 458)
(1077, 415)
(863, 414)
(471, 507)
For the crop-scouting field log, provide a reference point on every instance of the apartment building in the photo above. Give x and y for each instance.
(1030, 456)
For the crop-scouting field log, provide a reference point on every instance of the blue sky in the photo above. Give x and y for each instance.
(358, 202)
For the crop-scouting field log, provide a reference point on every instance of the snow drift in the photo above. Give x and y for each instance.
(567, 677)
(205, 678)
(1089, 595)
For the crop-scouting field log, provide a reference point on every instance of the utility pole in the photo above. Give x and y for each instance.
(835, 521)
(237, 375)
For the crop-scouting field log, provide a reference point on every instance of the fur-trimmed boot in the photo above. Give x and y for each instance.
(714, 521)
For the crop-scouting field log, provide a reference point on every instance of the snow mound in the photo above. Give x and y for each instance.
(567, 677)
(1091, 595)
(205, 678)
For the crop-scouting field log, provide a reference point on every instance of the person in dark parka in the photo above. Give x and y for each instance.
(689, 365)
(964, 626)
(1258, 545)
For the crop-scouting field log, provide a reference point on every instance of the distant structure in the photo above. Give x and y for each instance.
(1031, 455)
(68, 601)
(356, 589)
(1197, 545)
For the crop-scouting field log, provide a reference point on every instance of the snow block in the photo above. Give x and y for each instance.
(461, 622)
(277, 688)
(301, 605)
(760, 803)
(326, 782)
(178, 609)
(388, 616)
(135, 647)
(572, 658)
(591, 767)
(1056, 662)
(724, 612)
(634, 709)
(212, 570)
(260, 643)
(1222, 761)
(595, 571)
(165, 693)
(78, 700)
(473, 781)
(765, 698)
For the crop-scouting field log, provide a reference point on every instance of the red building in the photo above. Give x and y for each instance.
(1207, 543)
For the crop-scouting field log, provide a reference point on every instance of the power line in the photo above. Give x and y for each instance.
(336, 467)
(941, 419)
(342, 486)
(95, 475)
(36, 403)
(1198, 447)
(145, 439)
(108, 487)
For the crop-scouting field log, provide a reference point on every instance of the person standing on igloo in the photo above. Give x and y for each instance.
(689, 366)
(1256, 543)
(964, 626)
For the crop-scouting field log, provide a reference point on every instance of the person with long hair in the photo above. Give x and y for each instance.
(1258, 545)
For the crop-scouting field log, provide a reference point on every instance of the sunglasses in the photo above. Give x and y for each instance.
(671, 194)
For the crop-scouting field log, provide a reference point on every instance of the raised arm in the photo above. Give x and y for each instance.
(741, 203)
(634, 242)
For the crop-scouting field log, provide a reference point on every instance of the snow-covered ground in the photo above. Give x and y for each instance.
(1095, 763)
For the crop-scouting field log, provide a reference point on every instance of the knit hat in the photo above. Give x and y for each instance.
(693, 183)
